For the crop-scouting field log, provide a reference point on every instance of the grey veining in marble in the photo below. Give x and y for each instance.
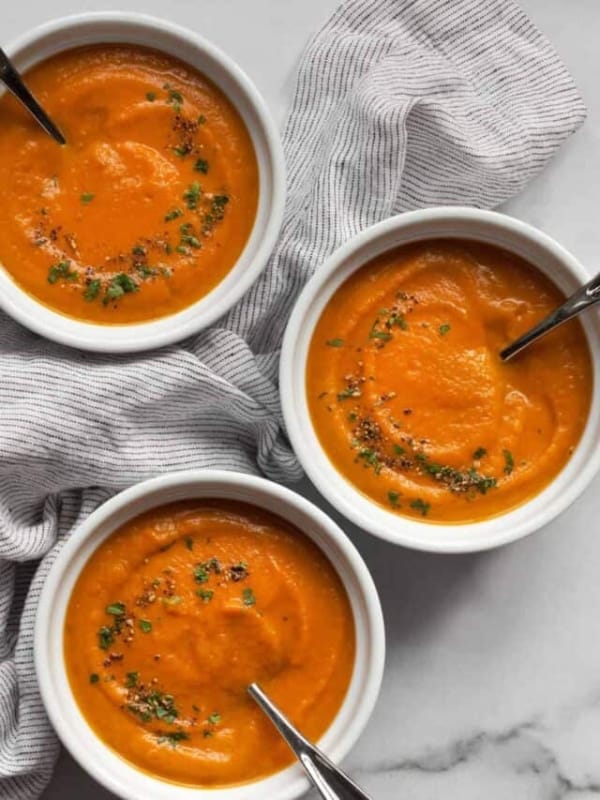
(492, 686)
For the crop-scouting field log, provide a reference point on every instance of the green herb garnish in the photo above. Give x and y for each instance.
(394, 498)
(201, 165)
(248, 597)
(131, 679)
(105, 637)
(444, 329)
(116, 609)
(151, 96)
(92, 290)
(334, 342)
(421, 506)
(145, 625)
(206, 595)
(479, 453)
(94, 677)
(509, 461)
(173, 214)
(86, 198)
(61, 270)
(121, 284)
(192, 195)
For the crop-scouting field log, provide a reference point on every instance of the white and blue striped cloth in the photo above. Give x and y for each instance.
(398, 104)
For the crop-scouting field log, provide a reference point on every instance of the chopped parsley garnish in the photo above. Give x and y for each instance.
(370, 458)
(182, 150)
(201, 119)
(151, 96)
(399, 450)
(384, 336)
(214, 718)
(116, 609)
(192, 195)
(334, 342)
(206, 595)
(187, 236)
(479, 453)
(61, 270)
(144, 271)
(394, 498)
(444, 329)
(201, 165)
(145, 625)
(174, 97)
(350, 391)
(105, 637)
(92, 290)
(421, 506)
(173, 214)
(509, 461)
(131, 679)
(94, 677)
(202, 571)
(86, 198)
(121, 284)
(248, 597)
(138, 250)
(189, 542)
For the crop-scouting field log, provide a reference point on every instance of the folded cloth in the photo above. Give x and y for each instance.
(398, 104)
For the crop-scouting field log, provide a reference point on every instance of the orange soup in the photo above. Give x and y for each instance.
(149, 204)
(410, 399)
(183, 607)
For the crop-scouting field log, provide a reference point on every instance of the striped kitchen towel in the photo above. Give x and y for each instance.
(398, 104)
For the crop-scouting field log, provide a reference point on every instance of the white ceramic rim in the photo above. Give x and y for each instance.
(449, 222)
(117, 775)
(130, 27)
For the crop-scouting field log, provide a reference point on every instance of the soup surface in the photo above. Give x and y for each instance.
(178, 611)
(149, 204)
(410, 399)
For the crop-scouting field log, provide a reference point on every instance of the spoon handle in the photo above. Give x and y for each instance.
(329, 780)
(14, 83)
(579, 301)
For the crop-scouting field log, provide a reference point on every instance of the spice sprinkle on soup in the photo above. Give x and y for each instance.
(408, 395)
(178, 611)
(149, 204)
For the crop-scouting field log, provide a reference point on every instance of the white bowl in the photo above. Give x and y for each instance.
(465, 223)
(102, 763)
(133, 28)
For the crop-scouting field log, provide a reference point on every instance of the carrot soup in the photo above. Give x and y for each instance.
(408, 395)
(149, 204)
(178, 611)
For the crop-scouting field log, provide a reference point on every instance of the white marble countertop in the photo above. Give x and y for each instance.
(492, 686)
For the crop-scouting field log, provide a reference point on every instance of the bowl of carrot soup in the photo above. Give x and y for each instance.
(398, 404)
(161, 209)
(169, 601)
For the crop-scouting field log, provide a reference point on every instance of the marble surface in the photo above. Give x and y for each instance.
(492, 685)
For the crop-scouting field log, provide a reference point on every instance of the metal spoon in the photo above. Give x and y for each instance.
(14, 83)
(330, 782)
(579, 301)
